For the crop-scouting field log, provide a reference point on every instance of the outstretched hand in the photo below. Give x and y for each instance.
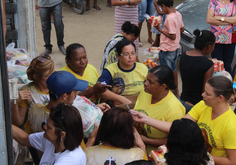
(139, 116)
(100, 88)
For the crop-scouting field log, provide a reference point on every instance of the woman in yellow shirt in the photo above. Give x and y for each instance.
(125, 76)
(215, 118)
(77, 64)
(158, 102)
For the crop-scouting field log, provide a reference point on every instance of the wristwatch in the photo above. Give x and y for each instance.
(222, 19)
(129, 3)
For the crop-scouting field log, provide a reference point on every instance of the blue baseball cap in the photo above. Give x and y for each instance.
(61, 82)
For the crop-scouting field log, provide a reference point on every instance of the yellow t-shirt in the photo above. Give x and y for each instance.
(127, 82)
(90, 75)
(100, 154)
(220, 133)
(37, 97)
(168, 109)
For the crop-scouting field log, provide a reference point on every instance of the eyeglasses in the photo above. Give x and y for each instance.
(127, 54)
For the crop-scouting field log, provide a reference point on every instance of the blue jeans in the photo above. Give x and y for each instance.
(225, 53)
(145, 7)
(45, 16)
(169, 58)
(187, 107)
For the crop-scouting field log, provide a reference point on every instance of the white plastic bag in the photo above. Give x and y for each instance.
(18, 54)
(89, 112)
(17, 71)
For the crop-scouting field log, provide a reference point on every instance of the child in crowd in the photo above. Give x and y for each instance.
(158, 12)
(170, 37)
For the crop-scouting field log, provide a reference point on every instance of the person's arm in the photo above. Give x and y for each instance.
(229, 20)
(20, 136)
(18, 113)
(114, 97)
(140, 117)
(154, 142)
(170, 36)
(207, 76)
(138, 141)
(92, 137)
(96, 89)
(119, 3)
(211, 19)
(229, 160)
(163, 126)
(158, 8)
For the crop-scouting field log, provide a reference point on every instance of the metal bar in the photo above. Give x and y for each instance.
(5, 117)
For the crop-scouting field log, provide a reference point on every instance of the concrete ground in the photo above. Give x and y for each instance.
(93, 30)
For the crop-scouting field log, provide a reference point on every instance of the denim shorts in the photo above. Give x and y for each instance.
(187, 107)
(145, 7)
(169, 58)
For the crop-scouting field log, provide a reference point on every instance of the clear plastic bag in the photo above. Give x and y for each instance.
(17, 71)
(19, 55)
(89, 112)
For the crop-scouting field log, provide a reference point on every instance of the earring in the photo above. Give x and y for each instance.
(61, 139)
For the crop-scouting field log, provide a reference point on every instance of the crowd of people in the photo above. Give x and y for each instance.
(141, 108)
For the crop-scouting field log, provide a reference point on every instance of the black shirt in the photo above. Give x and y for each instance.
(192, 70)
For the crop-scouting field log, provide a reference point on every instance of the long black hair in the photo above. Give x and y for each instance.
(186, 144)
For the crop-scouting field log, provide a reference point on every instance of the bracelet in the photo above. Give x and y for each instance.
(129, 3)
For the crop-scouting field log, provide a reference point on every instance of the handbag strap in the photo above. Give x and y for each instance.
(232, 15)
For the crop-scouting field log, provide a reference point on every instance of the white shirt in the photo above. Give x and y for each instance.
(75, 157)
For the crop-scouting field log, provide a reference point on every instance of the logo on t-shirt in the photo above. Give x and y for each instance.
(110, 161)
(208, 136)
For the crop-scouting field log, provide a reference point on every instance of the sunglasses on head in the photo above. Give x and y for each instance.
(44, 57)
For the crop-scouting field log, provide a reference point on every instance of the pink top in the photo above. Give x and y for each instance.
(223, 33)
(172, 25)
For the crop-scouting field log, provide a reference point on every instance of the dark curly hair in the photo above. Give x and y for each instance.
(186, 144)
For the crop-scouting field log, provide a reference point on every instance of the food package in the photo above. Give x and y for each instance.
(19, 55)
(154, 49)
(158, 156)
(218, 65)
(17, 71)
(89, 112)
(150, 63)
(154, 20)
